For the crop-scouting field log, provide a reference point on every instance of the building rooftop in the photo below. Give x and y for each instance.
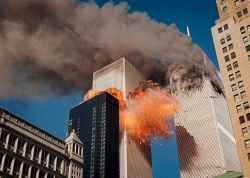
(31, 127)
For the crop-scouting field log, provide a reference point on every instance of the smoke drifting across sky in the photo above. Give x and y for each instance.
(54, 46)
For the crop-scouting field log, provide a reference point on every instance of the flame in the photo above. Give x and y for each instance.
(146, 112)
(149, 108)
(112, 91)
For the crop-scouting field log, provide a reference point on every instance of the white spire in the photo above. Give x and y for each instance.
(188, 32)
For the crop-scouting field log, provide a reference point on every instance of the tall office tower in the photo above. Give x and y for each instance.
(232, 44)
(96, 122)
(205, 138)
(135, 159)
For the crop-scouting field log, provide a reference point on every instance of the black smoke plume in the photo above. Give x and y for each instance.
(54, 46)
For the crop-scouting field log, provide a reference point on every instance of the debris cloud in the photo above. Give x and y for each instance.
(54, 46)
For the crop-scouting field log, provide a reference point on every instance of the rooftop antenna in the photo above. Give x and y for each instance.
(188, 32)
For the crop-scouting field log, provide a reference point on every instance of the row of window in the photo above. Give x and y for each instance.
(244, 29)
(224, 40)
(236, 86)
(93, 140)
(243, 118)
(230, 67)
(242, 12)
(76, 171)
(77, 149)
(32, 129)
(228, 48)
(224, 28)
(234, 76)
(241, 107)
(245, 39)
(245, 131)
(28, 150)
(20, 167)
(103, 142)
(238, 1)
(240, 97)
(224, 6)
(232, 55)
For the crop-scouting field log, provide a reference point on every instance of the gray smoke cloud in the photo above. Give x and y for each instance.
(54, 46)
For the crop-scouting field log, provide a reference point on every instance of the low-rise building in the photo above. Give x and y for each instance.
(26, 151)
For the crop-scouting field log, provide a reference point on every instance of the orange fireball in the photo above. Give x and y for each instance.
(147, 111)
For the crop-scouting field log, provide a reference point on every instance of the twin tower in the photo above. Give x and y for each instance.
(205, 138)
(109, 152)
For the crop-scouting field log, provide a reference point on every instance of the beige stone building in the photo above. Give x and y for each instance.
(231, 36)
(27, 151)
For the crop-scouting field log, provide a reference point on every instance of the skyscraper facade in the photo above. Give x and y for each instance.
(232, 43)
(204, 132)
(96, 122)
(135, 159)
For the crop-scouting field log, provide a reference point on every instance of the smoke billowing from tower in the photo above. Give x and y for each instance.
(54, 46)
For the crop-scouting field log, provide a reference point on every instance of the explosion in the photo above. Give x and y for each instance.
(146, 112)
(149, 108)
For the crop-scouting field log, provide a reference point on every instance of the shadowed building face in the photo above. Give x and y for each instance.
(96, 122)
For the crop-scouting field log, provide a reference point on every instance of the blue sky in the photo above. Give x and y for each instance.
(52, 114)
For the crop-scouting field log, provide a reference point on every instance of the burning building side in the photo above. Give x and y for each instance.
(205, 138)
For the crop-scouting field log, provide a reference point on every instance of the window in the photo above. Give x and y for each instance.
(226, 27)
(248, 48)
(238, 74)
(244, 131)
(239, 14)
(237, 3)
(222, 41)
(247, 143)
(248, 116)
(224, 8)
(248, 155)
(245, 11)
(227, 58)
(241, 84)
(245, 39)
(248, 28)
(220, 30)
(242, 30)
(224, 50)
(239, 109)
(242, 119)
(229, 38)
(246, 105)
(249, 57)
(229, 67)
(243, 94)
(234, 87)
(230, 47)
(233, 55)
(231, 77)
(235, 64)
(237, 98)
